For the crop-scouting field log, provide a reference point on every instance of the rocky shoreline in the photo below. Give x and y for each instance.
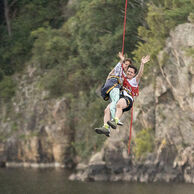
(164, 166)
(154, 168)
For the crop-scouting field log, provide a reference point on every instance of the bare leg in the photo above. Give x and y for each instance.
(119, 107)
(107, 114)
(121, 104)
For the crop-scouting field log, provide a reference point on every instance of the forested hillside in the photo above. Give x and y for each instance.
(74, 45)
(75, 42)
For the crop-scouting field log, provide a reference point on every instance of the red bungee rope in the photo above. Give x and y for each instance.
(130, 130)
(124, 27)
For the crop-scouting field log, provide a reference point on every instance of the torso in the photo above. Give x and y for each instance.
(130, 87)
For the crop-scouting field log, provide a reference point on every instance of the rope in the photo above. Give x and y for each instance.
(124, 27)
(123, 46)
(130, 130)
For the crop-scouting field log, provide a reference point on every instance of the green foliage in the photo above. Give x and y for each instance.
(191, 17)
(89, 114)
(190, 52)
(162, 16)
(14, 127)
(25, 16)
(26, 137)
(86, 45)
(144, 143)
(101, 23)
(50, 49)
(54, 82)
(2, 138)
(1, 75)
(7, 88)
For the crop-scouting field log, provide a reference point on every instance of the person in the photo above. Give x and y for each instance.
(129, 90)
(111, 89)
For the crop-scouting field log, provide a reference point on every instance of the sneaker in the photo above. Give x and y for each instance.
(112, 124)
(120, 123)
(102, 130)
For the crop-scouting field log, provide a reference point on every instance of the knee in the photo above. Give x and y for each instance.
(107, 110)
(118, 106)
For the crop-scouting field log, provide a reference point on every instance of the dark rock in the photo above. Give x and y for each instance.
(2, 164)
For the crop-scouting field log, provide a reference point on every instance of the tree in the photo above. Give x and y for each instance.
(20, 18)
(162, 16)
(7, 14)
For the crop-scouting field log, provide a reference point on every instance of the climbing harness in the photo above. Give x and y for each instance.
(131, 90)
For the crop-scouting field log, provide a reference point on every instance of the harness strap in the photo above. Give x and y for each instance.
(113, 76)
(117, 77)
(127, 91)
(111, 88)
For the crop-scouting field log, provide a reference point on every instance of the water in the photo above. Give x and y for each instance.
(55, 181)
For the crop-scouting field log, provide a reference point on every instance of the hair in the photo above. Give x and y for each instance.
(128, 59)
(133, 67)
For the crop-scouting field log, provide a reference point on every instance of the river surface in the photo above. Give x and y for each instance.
(55, 181)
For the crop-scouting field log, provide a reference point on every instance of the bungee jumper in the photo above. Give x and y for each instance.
(121, 86)
(111, 89)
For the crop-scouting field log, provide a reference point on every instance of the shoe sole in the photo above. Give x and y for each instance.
(120, 124)
(101, 132)
(111, 125)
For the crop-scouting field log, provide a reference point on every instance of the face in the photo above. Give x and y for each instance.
(130, 73)
(125, 65)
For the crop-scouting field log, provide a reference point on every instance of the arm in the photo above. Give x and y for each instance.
(122, 58)
(111, 73)
(144, 60)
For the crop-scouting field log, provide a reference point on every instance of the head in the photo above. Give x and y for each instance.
(131, 72)
(126, 63)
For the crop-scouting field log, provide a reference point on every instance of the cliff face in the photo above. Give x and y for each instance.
(34, 129)
(177, 82)
(167, 106)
